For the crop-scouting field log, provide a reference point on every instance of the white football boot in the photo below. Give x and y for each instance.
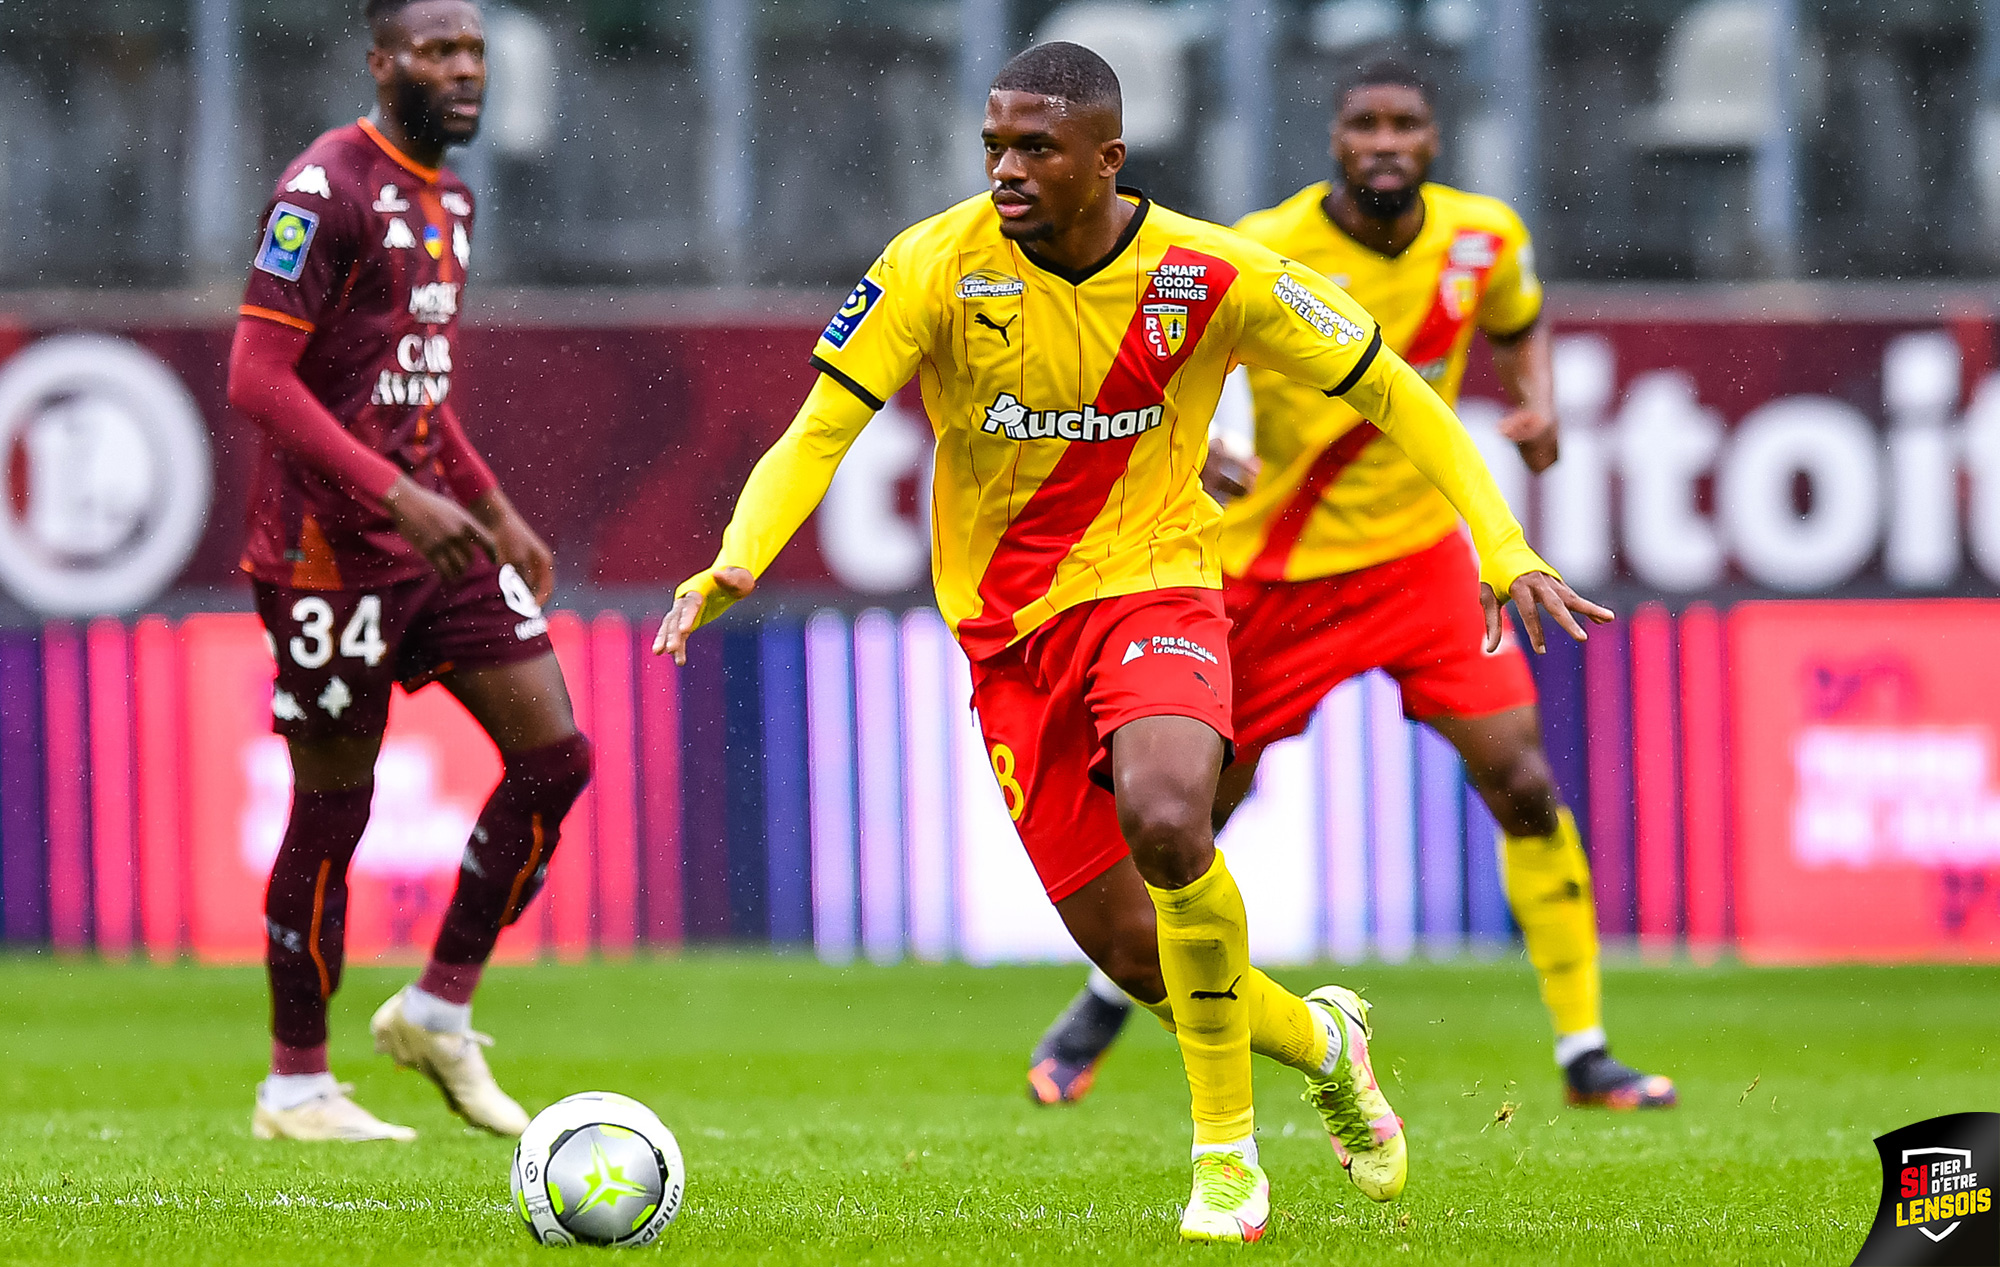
(331, 1115)
(454, 1062)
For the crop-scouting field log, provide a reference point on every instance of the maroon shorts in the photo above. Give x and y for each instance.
(1416, 618)
(339, 651)
(1049, 704)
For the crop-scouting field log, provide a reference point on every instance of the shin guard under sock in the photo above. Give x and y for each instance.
(507, 858)
(305, 911)
(1205, 960)
(1548, 886)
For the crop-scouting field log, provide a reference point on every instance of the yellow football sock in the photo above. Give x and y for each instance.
(1548, 885)
(1281, 1026)
(1205, 962)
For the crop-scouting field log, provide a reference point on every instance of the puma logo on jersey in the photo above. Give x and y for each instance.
(981, 319)
(1018, 422)
(1230, 993)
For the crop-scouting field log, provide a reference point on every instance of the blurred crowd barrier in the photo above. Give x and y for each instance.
(1787, 748)
(781, 142)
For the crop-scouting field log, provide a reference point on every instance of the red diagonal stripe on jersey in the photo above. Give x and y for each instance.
(1435, 338)
(1439, 332)
(1289, 524)
(1062, 509)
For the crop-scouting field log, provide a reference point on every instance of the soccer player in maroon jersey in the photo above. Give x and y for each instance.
(382, 551)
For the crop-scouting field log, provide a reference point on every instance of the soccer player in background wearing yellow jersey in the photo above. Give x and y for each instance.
(1071, 340)
(1342, 557)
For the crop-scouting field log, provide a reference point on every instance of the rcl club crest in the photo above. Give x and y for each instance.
(1166, 328)
(1937, 1195)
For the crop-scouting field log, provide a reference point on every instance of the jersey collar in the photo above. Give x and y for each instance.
(1077, 277)
(428, 175)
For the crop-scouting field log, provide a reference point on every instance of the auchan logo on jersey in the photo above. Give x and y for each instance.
(1014, 419)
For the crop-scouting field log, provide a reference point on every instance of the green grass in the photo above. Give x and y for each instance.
(876, 1115)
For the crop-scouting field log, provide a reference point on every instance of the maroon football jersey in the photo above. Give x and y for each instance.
(365, 250)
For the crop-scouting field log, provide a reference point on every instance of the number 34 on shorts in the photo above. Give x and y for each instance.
(360, 639)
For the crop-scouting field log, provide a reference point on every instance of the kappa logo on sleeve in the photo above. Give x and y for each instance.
(287, 237)
(859, 303)
(310, 180)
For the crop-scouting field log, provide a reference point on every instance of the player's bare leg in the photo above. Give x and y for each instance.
(1063, 1066)
(305, 910)
(1548, 886)
(427, 1026)
(1163, 773)
(1324, 1036)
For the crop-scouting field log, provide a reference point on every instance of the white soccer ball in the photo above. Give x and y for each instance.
(597, 1168)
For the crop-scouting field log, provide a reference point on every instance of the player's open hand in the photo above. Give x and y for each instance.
(516, 543)
(1228, 476)
(694, 609)
(443, 531)
(1532, 593)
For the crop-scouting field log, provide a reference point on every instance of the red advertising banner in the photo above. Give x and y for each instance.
(1701, 454)
(1868, 799)
(433, 776)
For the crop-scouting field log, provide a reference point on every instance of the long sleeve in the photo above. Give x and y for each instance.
(1402, 404)
(264, 384)
(465, 472)
(1306, 328)
(784, 488)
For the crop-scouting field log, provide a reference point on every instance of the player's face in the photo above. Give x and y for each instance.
(432, 56)
(1046, 161)
(1384, 139)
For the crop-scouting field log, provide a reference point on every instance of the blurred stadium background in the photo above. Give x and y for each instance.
(1770, 230)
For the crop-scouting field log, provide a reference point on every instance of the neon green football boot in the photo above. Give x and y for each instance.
(1367, 1135)
(1231, 1201)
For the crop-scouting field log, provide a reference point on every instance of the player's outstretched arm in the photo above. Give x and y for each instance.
(787, 484)
(1436, 442)
(264, 385)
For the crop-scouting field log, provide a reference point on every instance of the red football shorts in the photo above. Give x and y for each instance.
(340, 651)
(1049, 704)
(1417, 618)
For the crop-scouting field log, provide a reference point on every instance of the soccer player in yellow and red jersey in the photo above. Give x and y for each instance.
(1342, 557)
(1071, 340)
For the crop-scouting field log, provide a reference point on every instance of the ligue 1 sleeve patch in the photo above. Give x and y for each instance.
(287, 238)
(859, 303)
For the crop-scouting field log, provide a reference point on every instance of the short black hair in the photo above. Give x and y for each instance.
(1379, 71)
(1065, 71)
(376, 12)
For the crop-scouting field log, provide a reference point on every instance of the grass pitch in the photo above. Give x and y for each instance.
(876, 1115)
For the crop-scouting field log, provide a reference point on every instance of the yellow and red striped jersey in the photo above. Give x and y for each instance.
(1071, 410)
(1335, 494)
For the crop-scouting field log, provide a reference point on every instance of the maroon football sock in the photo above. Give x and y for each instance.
(507, 859)
(297, 1060)
(452, 982)
(305, 912)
